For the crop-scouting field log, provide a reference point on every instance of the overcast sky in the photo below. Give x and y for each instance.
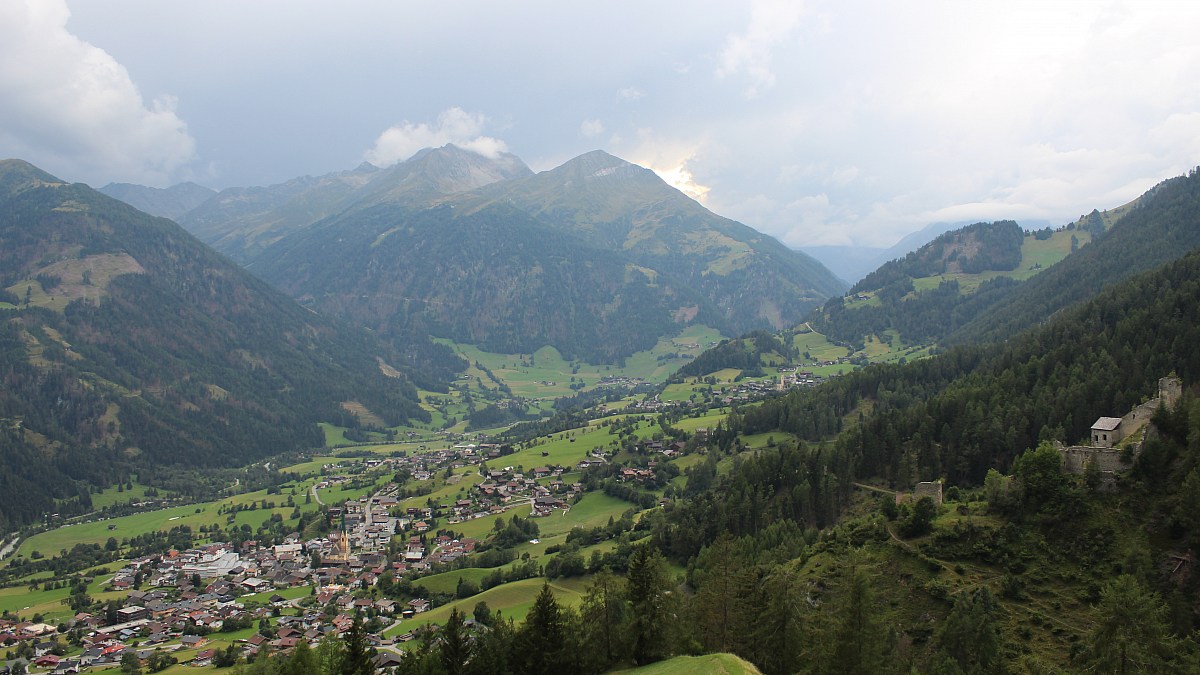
(818, 122)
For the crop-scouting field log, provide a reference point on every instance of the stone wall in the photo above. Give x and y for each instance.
(1077, 457)
(1170, 389)
(1108, 460)
(931, 489)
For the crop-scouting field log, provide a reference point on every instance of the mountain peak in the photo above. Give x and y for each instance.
(17, 175)
(596, 164)
(598, 167)
(450, 169)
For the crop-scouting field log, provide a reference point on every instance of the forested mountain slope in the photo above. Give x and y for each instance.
(753, 279)
(1163, 225)
(125, 341)
(936, 289)
(598, 258)
(975, 407)
(496, 278)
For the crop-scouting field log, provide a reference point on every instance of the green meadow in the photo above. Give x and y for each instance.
(1036, 255)
(193, 515)
(447, 582)
(513, 600)
(113, 496)
(714, 664)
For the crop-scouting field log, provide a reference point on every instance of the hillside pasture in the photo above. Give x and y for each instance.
(714, 664)
(52, 542)
(512, 599)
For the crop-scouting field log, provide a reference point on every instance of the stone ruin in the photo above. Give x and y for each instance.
(1108, 433)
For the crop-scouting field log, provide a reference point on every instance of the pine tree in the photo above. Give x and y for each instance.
(454, 649)
(725, 587)
(542, 637)
(493, 651)
(971, 633)
(356, 657)
(603, 617)
(1131, 635)
(858, 640)
(647, 597)
(302, 661)
(777, 631)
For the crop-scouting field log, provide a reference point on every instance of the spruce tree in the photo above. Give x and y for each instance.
(543, 636)
(603, 617)
(971, 633)
(1132, 634)
(647, 597)
(725, 586)
(777, 630)
(858, 639)
(454, 649)
(356, 657)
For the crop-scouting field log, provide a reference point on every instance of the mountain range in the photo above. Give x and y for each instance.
(171, 202)
(598, 257)
(989, 281)
(124, 341)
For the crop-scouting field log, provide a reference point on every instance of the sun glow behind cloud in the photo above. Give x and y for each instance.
(681, 179)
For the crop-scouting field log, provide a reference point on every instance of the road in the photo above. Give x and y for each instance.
(10, 547)
(316, 496)
(872, 488)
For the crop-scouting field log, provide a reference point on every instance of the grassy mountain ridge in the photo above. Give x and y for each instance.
(945, 284)
(129, 341)
(243, 222)
(1161, 226)
(945, 293)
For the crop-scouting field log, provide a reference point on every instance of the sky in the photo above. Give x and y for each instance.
(845, 122)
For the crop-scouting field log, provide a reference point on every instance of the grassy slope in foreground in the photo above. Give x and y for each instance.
(685, 665)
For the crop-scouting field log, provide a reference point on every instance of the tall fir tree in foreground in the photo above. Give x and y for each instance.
(648, 586)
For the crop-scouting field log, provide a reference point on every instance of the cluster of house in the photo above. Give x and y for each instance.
(367, 523)
(169, 615)
(620, 381)
(632, 474)
(751, 390)
(790, 378)
(650, 404)
(504, 488)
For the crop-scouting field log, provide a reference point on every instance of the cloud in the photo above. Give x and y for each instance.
(454, 125)
(590, 128)
(630, 94)
(71, 108)
(749, 53)
(673, 160)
